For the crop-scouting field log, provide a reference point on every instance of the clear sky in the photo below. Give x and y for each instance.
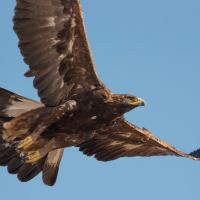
(147, 48)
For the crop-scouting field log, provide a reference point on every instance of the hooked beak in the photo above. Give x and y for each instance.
(138, 102)
(141, 102)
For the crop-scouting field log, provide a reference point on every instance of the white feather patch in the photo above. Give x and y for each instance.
(18, 107)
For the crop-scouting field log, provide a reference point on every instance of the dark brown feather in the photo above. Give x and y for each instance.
(51, 167)
(54, 45)
(11, 106)
(78, 110)
(123, 139)
(14, 165)
(29, 171)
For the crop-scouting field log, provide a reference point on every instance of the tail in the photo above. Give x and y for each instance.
(11, 106)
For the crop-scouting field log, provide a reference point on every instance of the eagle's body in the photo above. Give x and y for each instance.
(76, 108)
(94, 109)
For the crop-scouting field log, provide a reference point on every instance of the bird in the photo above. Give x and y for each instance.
(76, 109)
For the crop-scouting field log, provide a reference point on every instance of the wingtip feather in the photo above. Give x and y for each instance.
(196, 153)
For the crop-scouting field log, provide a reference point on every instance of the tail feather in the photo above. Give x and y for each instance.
(7, 155)
(25, 172)
(14, 165)
(51, 167)
(29, 171)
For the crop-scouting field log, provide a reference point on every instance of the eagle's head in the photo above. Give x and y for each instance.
(124, 103)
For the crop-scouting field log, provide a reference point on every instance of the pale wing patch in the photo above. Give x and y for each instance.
(115, 143)
(73, 38)
(20, 106)
(130, 147)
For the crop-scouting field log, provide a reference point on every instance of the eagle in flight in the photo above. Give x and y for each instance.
(76, 108)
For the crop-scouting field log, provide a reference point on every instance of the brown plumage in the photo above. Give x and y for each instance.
(76, 109)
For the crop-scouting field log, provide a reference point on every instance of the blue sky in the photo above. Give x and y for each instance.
(147, 48)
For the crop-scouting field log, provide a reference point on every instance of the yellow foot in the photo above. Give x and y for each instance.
(32, 156)
(26, 143)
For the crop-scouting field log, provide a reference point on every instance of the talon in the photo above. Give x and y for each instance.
(32, 156)
(26, 143)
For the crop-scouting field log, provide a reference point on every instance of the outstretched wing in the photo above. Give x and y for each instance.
(123, 139)
(54, 45)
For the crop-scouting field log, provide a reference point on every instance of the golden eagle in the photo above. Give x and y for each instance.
(76, 108)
